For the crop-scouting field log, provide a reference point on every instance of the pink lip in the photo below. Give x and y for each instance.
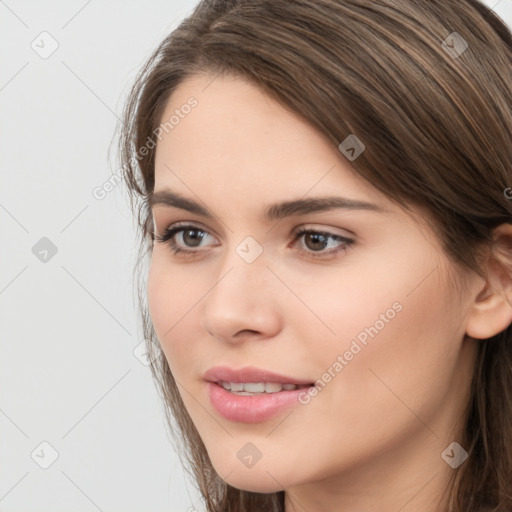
(245, 408)
(250, 374)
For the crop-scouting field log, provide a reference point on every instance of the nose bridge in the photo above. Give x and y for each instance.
(241, 298)
(242, 275)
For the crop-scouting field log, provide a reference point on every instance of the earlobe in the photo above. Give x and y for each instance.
(491, 311)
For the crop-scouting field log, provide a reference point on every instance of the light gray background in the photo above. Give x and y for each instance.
(68, 373)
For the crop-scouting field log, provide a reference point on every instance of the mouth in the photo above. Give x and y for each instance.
(251, 379)
(250, 394)
(259, 388)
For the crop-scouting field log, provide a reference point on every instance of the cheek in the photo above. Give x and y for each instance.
(173, 297)
(170, 293)
(160, 301)
(166, 300)
(346, 305)
(399, 322)
(384, 290)
(399, 353)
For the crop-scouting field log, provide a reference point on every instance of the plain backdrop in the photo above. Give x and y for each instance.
(81, 425)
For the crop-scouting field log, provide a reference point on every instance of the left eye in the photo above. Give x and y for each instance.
(315, 241)
(321, 237)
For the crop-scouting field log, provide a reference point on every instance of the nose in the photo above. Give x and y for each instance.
(243, 303)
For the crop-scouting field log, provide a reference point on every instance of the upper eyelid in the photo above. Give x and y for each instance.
(310, 226)
(185, 224)
(182, 225)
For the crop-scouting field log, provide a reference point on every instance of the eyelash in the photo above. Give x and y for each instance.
(170, 232)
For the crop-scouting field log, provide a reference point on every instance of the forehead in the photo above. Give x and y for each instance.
(238, 137)
(236, 118)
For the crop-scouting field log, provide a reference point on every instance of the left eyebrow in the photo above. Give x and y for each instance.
(274, 211)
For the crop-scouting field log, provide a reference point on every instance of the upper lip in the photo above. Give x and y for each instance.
(250, 374)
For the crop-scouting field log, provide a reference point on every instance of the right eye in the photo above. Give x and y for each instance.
(188, 233)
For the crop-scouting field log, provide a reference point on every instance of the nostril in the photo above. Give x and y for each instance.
(250, 331)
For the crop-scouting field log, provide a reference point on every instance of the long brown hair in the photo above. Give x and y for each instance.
(436, 118)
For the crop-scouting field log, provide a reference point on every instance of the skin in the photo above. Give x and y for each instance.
(372, 438)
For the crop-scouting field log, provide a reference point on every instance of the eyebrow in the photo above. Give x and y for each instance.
(167, 197)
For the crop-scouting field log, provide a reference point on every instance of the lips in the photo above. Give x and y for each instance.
(250, 394)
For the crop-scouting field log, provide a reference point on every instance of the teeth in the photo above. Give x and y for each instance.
(270, 387)
(249, 388)
(254, 387)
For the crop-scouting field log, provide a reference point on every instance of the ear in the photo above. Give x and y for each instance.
(491, 312)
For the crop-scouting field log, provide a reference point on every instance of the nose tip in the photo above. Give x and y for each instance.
(241, 305)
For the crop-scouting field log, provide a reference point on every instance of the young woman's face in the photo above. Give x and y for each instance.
(362, 303)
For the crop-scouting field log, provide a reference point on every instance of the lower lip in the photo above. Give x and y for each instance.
(251, 409)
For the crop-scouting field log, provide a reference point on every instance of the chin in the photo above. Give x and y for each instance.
(265, 485)
(250, 479)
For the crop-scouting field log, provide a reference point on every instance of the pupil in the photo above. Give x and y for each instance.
(316, 237)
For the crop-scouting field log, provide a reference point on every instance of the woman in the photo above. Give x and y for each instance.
(322, 189)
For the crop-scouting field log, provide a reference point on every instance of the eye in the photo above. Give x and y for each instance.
(188, 234)
(316, 242)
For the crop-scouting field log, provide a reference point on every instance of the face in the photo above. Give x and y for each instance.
(356, 298)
